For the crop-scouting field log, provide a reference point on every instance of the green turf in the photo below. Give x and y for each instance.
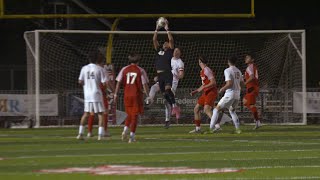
(272, 152)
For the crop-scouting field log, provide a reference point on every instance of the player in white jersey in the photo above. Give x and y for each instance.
(91, 76)
(177, 66)
(232, 89)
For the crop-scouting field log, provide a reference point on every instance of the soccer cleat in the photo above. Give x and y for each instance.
(100, 137)
(216, 130)
(167, 124)
(89, 135)
(238, 131)
(176, 110)
(257, 126)
(124, 136)
(131, 140)
(148, 101)
(195, 131)
(80, 137)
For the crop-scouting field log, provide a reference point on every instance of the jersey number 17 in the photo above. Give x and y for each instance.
(131, 77)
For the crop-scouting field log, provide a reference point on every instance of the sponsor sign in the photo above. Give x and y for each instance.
(313, 102)
(24, 105)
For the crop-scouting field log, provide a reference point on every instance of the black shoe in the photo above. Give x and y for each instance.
(167, 125)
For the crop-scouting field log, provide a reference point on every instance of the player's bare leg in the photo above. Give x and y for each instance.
(90, 124)
(254, 112)
(197, 120)
(101, 126)
(82, 123)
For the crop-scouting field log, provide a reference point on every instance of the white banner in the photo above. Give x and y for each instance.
(24, 105)
(313, 102)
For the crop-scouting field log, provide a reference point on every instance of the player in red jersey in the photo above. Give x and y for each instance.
(209, 94)
(252, 88)
(105, 102)
(134, 81)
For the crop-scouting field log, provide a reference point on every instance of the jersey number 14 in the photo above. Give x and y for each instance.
(131, 77)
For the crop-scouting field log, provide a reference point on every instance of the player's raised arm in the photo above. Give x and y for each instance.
(155, 38)
(170, 37)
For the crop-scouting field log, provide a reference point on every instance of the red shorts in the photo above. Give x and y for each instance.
(133, 105)
(251, 95)
(208, 98)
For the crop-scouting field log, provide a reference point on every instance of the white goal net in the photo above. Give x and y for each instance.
(55, 58)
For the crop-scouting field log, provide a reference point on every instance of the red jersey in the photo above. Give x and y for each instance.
(206, 75)
(252, 70)
(132, 80)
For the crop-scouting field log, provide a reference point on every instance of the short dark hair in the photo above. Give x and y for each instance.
(251, 54)
(134, 57)
(96, 57)
(233, 60)
(203, 59)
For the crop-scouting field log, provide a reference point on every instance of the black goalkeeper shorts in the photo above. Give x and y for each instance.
(165, 79)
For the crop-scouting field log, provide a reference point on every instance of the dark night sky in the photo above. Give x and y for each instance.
(270, 14)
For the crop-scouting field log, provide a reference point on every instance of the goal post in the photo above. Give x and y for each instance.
(55, 58)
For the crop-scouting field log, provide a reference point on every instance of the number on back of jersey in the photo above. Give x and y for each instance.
(131, 77)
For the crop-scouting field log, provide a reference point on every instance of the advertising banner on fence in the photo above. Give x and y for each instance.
(313, 102)
(24, 105)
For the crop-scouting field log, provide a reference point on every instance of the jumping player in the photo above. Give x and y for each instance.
(177, 66)
(209, 93)
(252, 88)
(163, 67)
(91, 77)
(134, 83)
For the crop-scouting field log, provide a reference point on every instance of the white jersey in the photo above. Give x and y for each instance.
(234, 74)
(92, 75)
(176, 65)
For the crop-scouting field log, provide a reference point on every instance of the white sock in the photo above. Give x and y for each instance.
(81, 129)
(101, 131)
(198, 128)
(214, 118)
(132, 135)
(235, 118)
(168, 111)
(258, 123)
(125, 129)
(174, 105)
(217, 125)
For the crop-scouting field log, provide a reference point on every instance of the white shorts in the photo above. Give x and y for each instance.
(228, 102)
(96, 107)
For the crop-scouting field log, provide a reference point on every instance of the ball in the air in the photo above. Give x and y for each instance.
(161, 22)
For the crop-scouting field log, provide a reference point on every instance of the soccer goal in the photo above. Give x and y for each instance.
(55, 57)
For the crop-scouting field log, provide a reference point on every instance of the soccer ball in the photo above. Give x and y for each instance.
(161, 22)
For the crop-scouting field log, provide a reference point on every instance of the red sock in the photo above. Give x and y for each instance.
(197, 123)
(105, 122)
(90, 123)
(134, 121)
(254, 112)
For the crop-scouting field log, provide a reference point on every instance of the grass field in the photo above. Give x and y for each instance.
(272, 152)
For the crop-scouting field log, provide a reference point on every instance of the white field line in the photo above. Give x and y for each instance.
(153, 154)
